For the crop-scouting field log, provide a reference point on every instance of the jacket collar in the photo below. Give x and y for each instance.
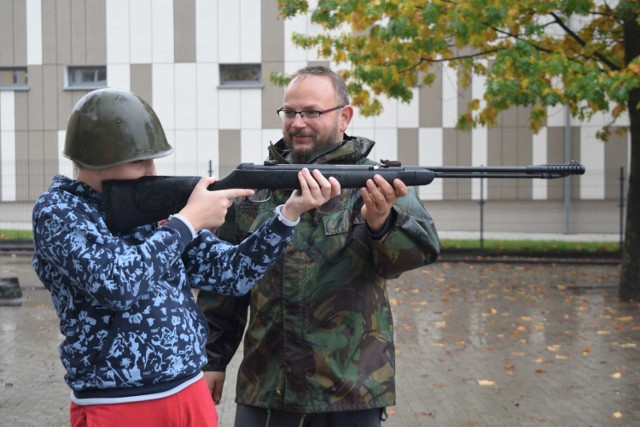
(349, 151)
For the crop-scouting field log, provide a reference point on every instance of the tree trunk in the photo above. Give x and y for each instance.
(630, 271)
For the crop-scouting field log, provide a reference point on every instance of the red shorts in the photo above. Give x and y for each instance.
(191, 407)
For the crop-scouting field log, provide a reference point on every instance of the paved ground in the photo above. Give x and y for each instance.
(477, 345)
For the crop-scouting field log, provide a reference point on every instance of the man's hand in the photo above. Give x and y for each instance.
(315, 190)
(215, 381)
(379, 197)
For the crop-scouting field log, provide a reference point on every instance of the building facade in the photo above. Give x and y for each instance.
(204, 66)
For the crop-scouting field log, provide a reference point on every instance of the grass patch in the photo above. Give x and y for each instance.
(534, 246)
(501, 246)
(16, 235)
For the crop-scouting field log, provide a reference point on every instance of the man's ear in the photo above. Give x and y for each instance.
(346, 114)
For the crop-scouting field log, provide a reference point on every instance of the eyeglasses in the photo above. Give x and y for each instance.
(288, 114)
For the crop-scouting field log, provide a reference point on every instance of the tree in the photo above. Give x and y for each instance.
(536, 53)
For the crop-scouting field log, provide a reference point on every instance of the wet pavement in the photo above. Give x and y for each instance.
(491, 344)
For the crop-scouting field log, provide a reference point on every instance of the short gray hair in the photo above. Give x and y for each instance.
(339, 86)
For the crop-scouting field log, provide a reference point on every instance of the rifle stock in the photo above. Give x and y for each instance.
(131, 203)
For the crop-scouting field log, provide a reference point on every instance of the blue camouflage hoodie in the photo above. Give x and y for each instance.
(126, 308)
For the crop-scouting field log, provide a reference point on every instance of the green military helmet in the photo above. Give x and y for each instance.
(109, 127)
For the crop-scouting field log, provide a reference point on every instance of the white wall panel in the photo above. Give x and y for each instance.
(359, 121)
(206, 31)
(292, 66)
(8, 109)
(186, 151)
(430, 153)
(118, 36)
(250, 31)
(367, 132)
(140, 30)
(162, 31)
(185, 102)
(229, 36)
(293, 53)
(409, 112)
(207, 95)
(479, 157)
(389, 116)
(592, 157)
(119, 76)
(208, 146)
(8, 145)
(65, 166)
(539, 156)
(163, 90)
(450, 97)
(386, 145)
(556, 116)
(34, 32)
(167, 165)
(270, 136)
(251, 146)
(229, 109)
(251, 108)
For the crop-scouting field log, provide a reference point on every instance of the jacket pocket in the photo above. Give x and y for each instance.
(340, 222)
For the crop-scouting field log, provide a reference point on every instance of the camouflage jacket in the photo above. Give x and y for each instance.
(320, 333)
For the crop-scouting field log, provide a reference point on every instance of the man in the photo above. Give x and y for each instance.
(134, 338)
(318, 350)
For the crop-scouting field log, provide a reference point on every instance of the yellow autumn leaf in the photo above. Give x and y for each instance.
(486, 382)
(617, 375)
(617, 414)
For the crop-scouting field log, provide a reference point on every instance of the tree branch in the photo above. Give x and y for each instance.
(581, 42)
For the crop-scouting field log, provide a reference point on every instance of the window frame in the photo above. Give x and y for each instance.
(96, 83)
(16, 71)
(253, 67)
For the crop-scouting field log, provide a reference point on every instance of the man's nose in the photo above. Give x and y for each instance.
(298, 121)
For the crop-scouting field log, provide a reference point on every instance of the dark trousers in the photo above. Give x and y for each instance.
(251, 416)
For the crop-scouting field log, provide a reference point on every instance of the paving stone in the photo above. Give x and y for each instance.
(477, 345)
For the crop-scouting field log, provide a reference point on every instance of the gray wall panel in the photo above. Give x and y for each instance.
(430, 101)
(22, 110)
(95, 31)
(49, 33)
(78, 33)
(408, 153)
(35, 105)
(50, 83)
(7, 33)
(22, 166)
(272, 62)
(184, 21)
(64, 27)
(615, 157)
(141, 81)
(229, 146)
(555, 154)
(456, 152)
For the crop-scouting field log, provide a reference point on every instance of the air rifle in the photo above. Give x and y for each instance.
(131, 203)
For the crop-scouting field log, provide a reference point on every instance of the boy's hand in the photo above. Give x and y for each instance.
(207, 209)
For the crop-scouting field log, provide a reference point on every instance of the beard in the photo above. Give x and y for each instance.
(308, 154)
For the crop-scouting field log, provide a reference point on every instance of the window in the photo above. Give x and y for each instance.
(14, 78)
(86, 77)
(240, 75)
